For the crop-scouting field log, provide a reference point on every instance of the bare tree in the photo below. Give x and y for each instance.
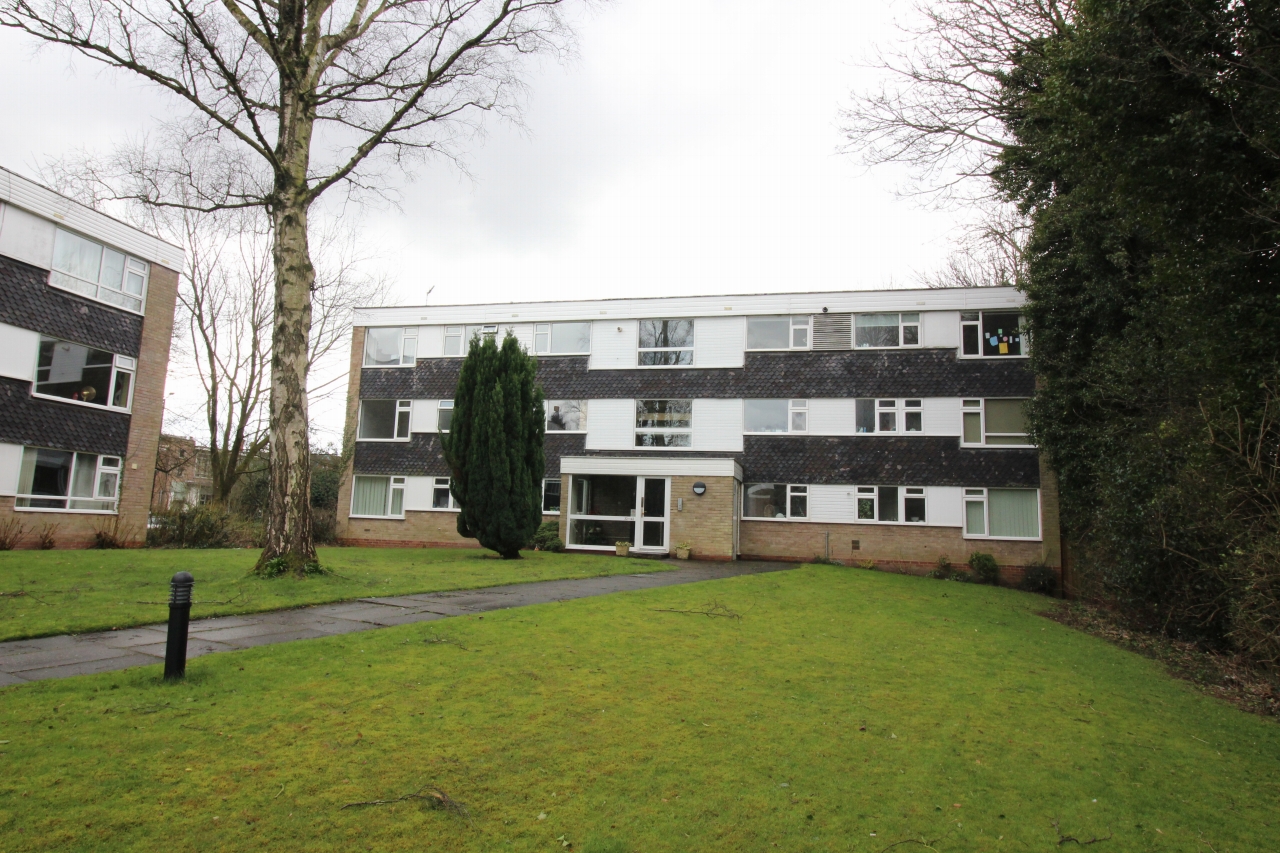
(938, 110)
(288, 99)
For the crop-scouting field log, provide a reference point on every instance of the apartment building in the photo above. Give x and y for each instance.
(882, 426)
(86, 316)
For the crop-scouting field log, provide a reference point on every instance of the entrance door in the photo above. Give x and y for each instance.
(651, 521)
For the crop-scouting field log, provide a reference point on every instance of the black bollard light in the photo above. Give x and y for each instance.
(175, 649)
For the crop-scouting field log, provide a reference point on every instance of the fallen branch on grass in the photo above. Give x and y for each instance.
(23, 593)
(711, 609)
(431, 795)
(1063, 839)
(436, 638)
(194, 603)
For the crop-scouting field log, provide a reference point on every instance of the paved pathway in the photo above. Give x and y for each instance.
(81, 654)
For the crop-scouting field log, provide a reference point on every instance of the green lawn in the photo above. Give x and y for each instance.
(78, 591)
(846, 710)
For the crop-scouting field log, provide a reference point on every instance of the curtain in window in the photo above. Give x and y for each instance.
(370, 496)
(1014, 512)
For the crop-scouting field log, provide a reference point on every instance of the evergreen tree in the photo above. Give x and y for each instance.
(494, 446)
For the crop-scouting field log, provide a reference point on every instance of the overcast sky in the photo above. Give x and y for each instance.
(692, 147)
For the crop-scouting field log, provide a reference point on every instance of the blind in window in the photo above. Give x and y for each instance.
(369, 496)
(1014, 512)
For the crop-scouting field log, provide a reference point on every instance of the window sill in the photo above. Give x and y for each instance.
(854, 521)
(990, 357)
(82, 403)
(997, 446)
(899, 346)
(95, 299)
(379, 517)
(385, 440)
(66, 511)
(1003, 538)
(566, 432)
(559, 354)
(792, 432)
(383, 366)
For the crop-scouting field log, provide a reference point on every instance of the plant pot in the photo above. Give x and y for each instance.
(683, 553)
(624, 550)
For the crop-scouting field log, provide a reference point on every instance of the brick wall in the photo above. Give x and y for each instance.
(75, 530)
(706, 522)
(348, 435)
(417, 530)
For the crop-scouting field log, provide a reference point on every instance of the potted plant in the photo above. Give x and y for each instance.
(624, 548)
(683, 550)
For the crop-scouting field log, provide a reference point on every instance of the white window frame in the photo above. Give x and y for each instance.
(797, 411)
(395, 484)
(909, 408)
(793, 490)
(440, 407)
(979, 496)
(872, 493)
(544, 347)
(559, 482)
(104, 464)
(903, 325)
(119, 364)
(887, 406)
(978, 406)
(403, 412)
(966, 319)
(93, 289)
(798, 323)
(689, 348)
(638, 430)
(456, 333)
(408, 348)
(446, 483)
(582, 420)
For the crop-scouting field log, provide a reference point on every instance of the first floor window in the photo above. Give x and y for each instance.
(566, 415)
(445, 418)
(913, 416)
(441, 496)
(84, 374)
(384, 420)
(390, 347)
(992, 333)
(378, 497)
(875, 416)
(995, 422)
(775, 500)
(1002, 513)
(59, 479)
(664, 423)
(551, 495)
(665, 343)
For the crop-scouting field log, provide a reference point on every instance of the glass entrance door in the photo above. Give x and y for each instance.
(652, 517)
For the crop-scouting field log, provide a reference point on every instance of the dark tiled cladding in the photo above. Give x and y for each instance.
(853, 373)
(422, 455)
(28, 302)
(63, 426)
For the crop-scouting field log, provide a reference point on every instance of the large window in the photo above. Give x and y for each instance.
(89, 268)
(458, 338)
(775, 500)
(551, 495)
(664, 423)
(384, 420)
(444, 418)
(377, 497)
(441, 496)
(891, 504)
(58, 479)
(775, 416)
(566, 415)
(777, 333)
(1002, 513)
(666, 343)
(992, 333)
(390, 347)
(888, 416)
(608, 503)
(995, 422)
(886, 330)
(83, 374)
(562, 338)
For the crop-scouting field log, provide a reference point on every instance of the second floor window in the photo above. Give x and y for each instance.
(992, 333)
(777, 333)
(384, 420)
(390, 347)
(83, 374)
(664, 423)
(666, 343)
(562, 338)
(776, 416)
(445, 417)
(457, 339)
(887, 330)
(884, 416)
(566, 415)
(89, 268)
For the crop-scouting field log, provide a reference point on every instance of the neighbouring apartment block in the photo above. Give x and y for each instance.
(86, 316)
(882, 426)
(182, 477)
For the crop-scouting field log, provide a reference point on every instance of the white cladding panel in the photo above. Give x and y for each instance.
(940, 329)
(430, 341)
(417, 492)
(26, 237)
(717, 425)
(832, 416)
(943, 506)
(835, 504)
(10, 462)
(611, 425)
(522, 331)
(941, 415)
(652, 466)
(613, 344)
(719, 341)
(18, 349)
(423, 416)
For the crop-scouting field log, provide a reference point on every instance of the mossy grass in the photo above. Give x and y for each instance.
(61, 592)
(844, 711)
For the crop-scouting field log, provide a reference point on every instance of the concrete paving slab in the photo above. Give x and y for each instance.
(195, 648)
(57, 657)
(133, 637)
(90, 667)
(283, 637)
(241, 632)
(8, 678)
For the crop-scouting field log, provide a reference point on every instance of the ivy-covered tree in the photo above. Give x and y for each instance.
(494, 446)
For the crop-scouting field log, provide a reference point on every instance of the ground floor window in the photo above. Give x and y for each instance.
(59, 479)
(377, 497)
(441, 496)
(1002, 513)
(775, 500)
(605, 509)
(551, 495)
